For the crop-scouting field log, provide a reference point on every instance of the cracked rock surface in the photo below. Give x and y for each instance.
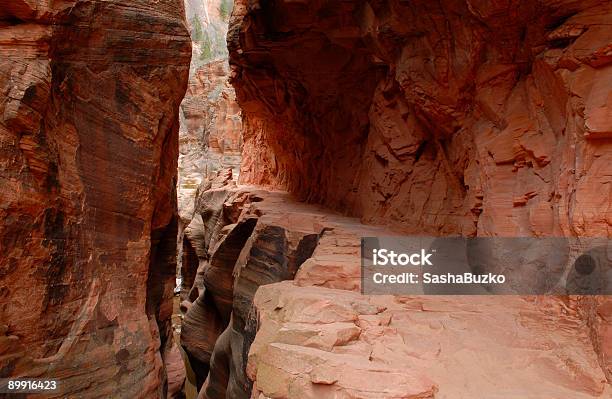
(278, 333)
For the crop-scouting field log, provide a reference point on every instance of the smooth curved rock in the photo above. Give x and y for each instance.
(88, 143)
(473, 118)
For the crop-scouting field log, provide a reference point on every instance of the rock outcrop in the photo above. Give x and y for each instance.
(322, 343)
(471, 117)
(210, 138)
(239, 249)
(454, 117)
(89, 143)
(254, 333)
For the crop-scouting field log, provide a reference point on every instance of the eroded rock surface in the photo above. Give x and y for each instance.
(239, 248)
(210, 138)
(210, 135)
(321, 343)
(453, 117)
(318, 337)
(89, 142)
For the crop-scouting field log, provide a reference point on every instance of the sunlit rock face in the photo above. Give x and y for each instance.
(469, 117)
(210, 142)
(210, 134)
(89, 141)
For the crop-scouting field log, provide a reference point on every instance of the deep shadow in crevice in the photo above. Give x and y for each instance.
(210, 314)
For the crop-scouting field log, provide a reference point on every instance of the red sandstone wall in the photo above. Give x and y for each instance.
(210, 136)
(88, 144)
(471, 117)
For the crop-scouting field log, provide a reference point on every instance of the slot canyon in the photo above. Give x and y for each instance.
(185, 184)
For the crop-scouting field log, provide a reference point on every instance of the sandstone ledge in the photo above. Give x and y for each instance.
(317, 336)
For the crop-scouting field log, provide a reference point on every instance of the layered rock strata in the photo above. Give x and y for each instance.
(321, 343)
(210, 136)
(453, 117)
(459, 117)
(239, 248)
(252, 336)
(89, 142)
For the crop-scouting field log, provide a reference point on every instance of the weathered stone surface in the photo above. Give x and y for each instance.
(241, 248)
(335, 262)
(469, 117)
(420, 347)
(210, 135)
(272, 253)
(202, 323)
(459, 117)
(88, 143)
(175, 369)
(210, 141)
(316, 337)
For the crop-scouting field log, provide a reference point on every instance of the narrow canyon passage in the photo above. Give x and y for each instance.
(415, 119)
(185, 184)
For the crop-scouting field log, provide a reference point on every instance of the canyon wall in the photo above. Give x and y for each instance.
(210, 134)
(433, 118)
(210, 142)
(454, 117)
(89, 143)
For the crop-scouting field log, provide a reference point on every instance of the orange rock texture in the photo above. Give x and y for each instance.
(89, 143)
(436, 118)
(471, 117)
(251, 332)
(323, 343)
(482, 117)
